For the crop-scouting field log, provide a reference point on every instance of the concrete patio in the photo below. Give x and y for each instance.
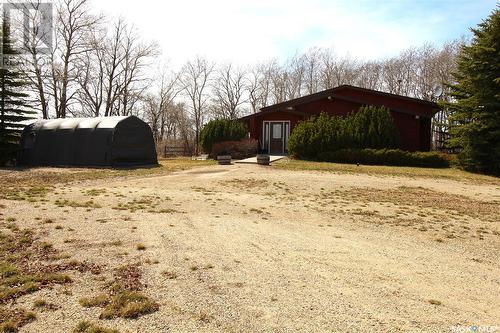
(253, 160)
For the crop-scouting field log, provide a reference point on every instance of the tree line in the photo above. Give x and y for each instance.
(101, 66)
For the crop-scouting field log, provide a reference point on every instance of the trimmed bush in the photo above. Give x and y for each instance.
(393, 157)
(370, 127)
(319, 134)
(221, 130)
(237, 149)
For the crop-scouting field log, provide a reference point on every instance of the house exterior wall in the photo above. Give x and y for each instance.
(255, 123)
(414, 131)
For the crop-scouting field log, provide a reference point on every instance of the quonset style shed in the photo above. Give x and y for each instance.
(102, 141)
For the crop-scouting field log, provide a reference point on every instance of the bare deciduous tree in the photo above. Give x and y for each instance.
(35, 61)
(195, 79)
(112, 71)
(228, 91)
(74, 25)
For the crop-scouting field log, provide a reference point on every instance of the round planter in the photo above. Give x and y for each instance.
(263, 160)
(224, 159)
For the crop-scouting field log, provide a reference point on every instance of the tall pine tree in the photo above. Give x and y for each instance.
(476, 106)
(14, 109)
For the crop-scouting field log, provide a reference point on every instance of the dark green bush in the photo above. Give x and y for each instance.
(319, 134)
(393, 157)
(221, 130)
(370, 127)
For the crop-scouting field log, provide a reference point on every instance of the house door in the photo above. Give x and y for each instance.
(276, 135)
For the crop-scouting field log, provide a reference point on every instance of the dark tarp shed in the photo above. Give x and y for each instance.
(102, 141)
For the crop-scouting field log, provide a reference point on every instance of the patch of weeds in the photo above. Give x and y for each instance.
(129, 304)
(18, 285)
(11, 219)
(22, 271)
(28, 193)
(75, 204)
(95, 192)
(100, 300)
(146, 203)
(40, 303)
(25, 268)
(170, 275)
(11, 320)
(168, 211)
(88, 327)
(128, 277)
(125, 299)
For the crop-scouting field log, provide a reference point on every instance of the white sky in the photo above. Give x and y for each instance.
(249, 31)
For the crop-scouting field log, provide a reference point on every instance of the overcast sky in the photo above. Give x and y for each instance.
(249, 31)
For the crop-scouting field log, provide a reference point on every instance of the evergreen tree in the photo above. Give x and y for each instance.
(220, 130)
(14, 109)
(373, 127)
(476, 106)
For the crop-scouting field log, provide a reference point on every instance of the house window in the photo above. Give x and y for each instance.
(277, 131)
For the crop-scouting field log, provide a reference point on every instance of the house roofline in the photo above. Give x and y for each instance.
(264, 112)
(323, 94)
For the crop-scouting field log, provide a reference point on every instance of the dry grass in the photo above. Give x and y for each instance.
(88, 327)
(124, 299)
(100, 300)
(426, 198)
(449, 173)
(34, 184)
(24, 269)
(170, 275)
(12, 320)
(129, 304)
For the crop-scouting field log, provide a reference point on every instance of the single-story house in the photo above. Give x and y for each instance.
(273, 124)
(101, 141)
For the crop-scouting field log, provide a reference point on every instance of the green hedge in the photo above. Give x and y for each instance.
(319, 134)
(393, 157)
(221, 130)
(370, 127)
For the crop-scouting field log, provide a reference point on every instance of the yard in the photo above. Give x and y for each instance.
(305, 247)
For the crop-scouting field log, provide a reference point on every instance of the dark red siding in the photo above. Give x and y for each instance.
(412, 117)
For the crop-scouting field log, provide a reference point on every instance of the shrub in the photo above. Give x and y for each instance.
(370, 127)
(319, 134)
(237, 149)
(393, 157)
(221, 130)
